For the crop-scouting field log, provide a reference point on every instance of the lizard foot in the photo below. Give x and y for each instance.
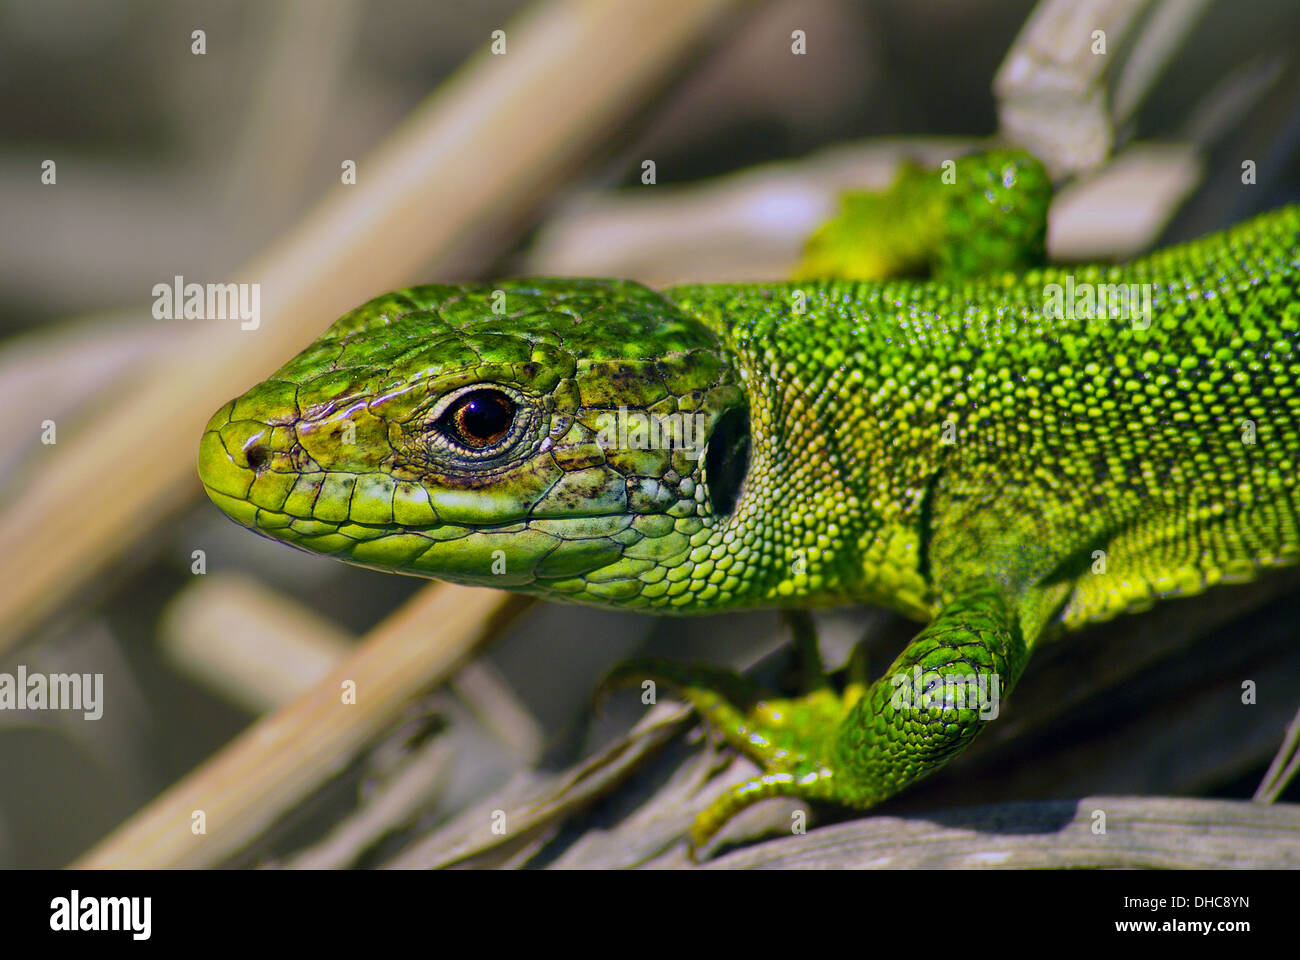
(868, 743)
(789, 738)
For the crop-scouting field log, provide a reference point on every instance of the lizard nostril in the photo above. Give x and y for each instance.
(257, 454)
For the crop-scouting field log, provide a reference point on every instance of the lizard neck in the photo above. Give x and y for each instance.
(910, 437)
(839, 475)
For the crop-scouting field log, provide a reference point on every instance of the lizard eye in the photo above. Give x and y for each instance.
(478, 419)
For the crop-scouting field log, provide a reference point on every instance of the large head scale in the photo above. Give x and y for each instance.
(578, 439)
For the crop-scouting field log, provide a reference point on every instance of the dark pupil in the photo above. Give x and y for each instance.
(482, 417)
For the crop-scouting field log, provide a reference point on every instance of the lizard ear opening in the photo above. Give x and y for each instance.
(726, 460)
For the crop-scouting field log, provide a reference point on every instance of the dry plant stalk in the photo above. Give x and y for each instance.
(282, 758)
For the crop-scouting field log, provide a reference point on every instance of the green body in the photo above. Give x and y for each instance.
(982, 451)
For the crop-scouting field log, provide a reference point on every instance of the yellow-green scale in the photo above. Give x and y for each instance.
(914, 435)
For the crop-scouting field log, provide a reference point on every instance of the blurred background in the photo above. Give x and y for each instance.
(228, 164)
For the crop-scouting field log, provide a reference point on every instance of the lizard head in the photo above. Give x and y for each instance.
(576, 439)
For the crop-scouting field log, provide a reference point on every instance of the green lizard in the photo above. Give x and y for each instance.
(997, 450)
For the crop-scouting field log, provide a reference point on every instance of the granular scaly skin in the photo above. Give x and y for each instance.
(1171, 448)
(956, 449)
